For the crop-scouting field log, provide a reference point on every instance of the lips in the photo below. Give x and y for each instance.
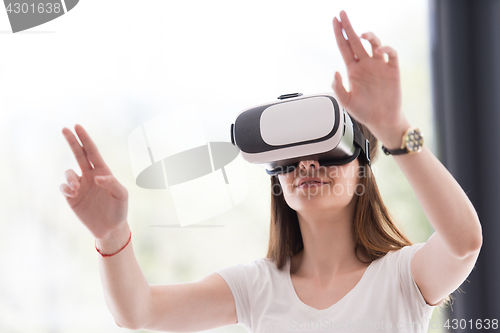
(316, 180)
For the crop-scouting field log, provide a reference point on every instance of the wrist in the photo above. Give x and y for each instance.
(115, 240)
(391, 138)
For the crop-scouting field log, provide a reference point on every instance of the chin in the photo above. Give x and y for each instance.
(313, 202)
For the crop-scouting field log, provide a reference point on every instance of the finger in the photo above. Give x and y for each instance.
(342, 95)
(374, 41)
(342, 43)
(111, 184)
(72, 179)
(89, 147)
(78, 151)
(393, 55)
(67, 191)
(353, 39)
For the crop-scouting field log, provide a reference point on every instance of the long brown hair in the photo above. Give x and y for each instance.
(375, 232)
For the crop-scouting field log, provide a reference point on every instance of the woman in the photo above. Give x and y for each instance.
(335, 260)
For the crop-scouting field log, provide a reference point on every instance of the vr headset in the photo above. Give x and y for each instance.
(278, 135)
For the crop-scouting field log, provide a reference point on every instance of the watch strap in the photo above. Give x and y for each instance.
(398, 151)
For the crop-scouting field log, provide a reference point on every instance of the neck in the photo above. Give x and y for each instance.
(329, 247)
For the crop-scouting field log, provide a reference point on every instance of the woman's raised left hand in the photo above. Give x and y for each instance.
(374, 96)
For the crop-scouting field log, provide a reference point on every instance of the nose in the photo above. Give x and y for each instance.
(309, 164)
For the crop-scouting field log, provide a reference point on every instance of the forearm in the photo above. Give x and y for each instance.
(126, 290)
(443, 201)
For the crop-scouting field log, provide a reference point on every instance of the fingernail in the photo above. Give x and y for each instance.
(61, 188)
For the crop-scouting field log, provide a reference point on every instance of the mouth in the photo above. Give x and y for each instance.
(311, 182)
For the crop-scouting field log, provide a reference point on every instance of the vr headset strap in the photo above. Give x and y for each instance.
(360, 140)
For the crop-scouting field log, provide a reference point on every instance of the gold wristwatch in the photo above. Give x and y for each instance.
(412, 142)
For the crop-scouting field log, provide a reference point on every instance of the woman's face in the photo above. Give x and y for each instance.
(335, 187)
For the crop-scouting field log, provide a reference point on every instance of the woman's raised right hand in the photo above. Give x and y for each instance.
(96, 197)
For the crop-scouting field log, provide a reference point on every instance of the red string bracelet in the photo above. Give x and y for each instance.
(110, 255)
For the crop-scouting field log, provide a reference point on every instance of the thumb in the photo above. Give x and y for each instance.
(342, 95)
(111, 184)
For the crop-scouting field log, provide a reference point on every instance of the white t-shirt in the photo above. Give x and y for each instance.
(386, 299)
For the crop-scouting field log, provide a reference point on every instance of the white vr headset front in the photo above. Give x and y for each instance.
(278, 135)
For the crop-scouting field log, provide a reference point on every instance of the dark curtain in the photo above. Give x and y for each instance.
(465, 46)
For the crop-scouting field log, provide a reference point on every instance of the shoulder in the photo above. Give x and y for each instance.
(396, 264)
(401, 255)
(252, 280)
(255, 269)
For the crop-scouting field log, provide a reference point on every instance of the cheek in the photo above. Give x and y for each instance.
(345, 187)
(286, 179)
(287, 188)
(345, 181)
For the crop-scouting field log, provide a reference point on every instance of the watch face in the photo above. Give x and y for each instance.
(414, 141)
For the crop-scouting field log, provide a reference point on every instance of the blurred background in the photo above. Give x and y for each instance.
(113, 65)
